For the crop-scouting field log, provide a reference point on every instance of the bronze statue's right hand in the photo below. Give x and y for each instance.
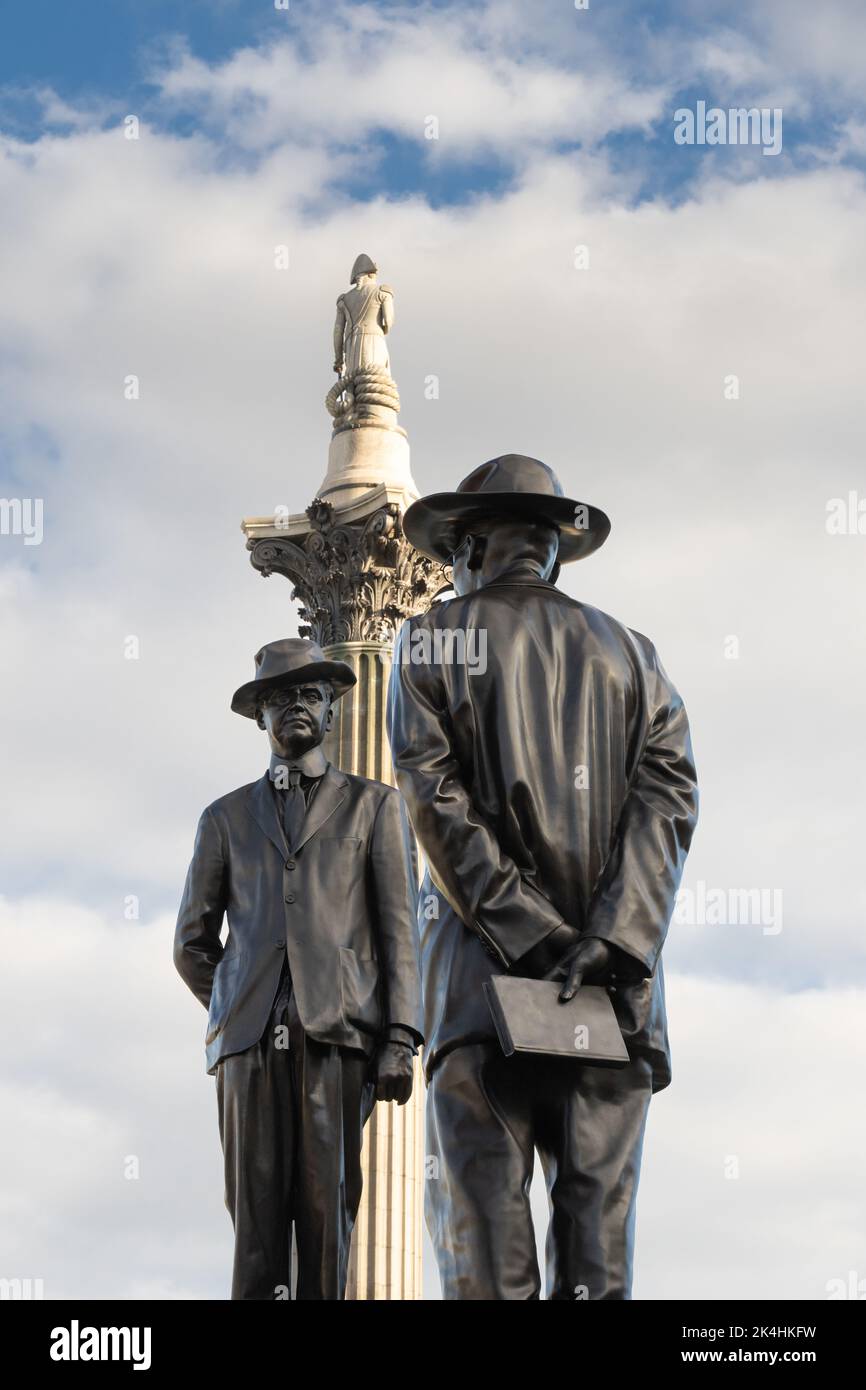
(393, 1072)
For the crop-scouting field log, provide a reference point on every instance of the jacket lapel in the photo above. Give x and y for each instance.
(332, 789)
(261, 806)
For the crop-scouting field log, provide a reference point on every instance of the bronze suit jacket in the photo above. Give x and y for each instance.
(342, 905)
(555, 785)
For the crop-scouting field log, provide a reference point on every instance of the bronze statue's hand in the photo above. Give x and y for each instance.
(338, 368)
(591, 956)
(394, 1072)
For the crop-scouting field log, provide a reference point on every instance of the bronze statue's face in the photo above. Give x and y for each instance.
(296, 718)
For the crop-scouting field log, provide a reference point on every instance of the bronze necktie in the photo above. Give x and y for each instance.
(294, 808)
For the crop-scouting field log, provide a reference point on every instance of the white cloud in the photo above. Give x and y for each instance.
(391, 70)
(105, 1063)
(823, 43)
(770, 1080)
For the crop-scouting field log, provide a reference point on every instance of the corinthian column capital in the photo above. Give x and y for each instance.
(355, 581)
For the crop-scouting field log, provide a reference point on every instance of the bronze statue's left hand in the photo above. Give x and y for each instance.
(590, 957)
(394, 1072)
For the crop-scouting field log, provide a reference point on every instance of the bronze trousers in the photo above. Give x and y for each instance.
(291, 1122)
(487, 1114)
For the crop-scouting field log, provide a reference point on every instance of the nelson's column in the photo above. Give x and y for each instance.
(356, 578)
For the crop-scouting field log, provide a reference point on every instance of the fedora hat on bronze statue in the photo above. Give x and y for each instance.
(291, 661)
(512, 486)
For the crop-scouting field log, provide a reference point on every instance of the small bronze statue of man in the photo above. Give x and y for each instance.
(314, 1001)
(553, 793)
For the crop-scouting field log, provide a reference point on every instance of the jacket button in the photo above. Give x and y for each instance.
(280, 945)
(290, 863)
(290, 897)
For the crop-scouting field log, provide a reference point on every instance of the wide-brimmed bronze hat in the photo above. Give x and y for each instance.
(512, 486)
(291, 661)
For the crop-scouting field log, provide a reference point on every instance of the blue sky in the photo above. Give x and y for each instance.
(108, 54)
(156, 257)
(104, 46)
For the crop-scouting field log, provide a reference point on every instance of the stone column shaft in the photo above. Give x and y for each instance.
(386, 1246)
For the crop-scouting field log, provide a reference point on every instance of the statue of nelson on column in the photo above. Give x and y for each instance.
(365, 314)
(365, 392)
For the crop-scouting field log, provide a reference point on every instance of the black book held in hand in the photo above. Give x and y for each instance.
(530, 1018)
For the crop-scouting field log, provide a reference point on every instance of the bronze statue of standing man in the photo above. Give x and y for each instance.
(314, 999)
(553, 793)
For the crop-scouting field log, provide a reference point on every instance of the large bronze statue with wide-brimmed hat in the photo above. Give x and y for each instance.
(553, 792)
(314, 1004)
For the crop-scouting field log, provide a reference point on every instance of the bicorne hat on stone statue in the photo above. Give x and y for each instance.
(363, 266)
(291, 661)
(513, 487)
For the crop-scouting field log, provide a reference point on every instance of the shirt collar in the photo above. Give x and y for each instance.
(521, 572)
(312, 764)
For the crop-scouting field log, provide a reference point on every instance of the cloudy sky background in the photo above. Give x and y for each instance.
(156, 257)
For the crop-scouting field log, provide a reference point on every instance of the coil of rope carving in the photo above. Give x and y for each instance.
(371, 386)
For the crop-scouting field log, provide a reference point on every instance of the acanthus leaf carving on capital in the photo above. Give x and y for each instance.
(354, 581)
